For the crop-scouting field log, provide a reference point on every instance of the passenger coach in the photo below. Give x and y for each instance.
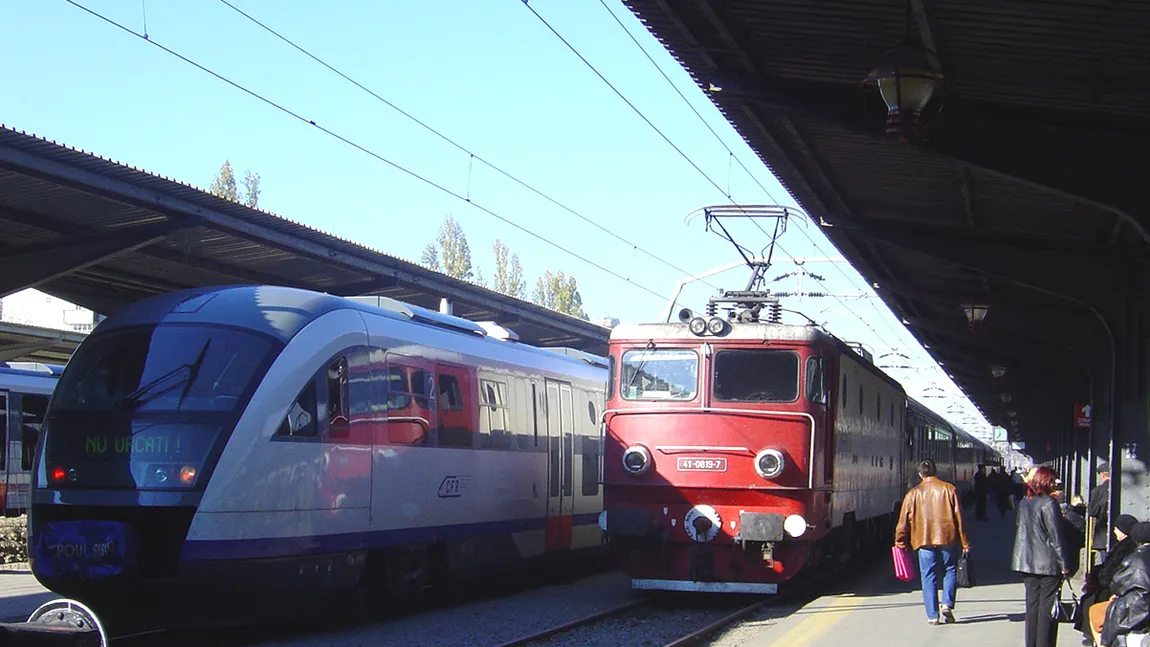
(223, 450)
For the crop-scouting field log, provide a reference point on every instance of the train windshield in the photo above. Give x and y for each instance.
(670, 374)
(756, 376)
(163, 368)
(150, 408)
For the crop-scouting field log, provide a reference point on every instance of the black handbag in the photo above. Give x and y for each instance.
(965, 572)
(1066, 612)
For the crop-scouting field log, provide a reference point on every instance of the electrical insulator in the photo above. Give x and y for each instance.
(775, 314)
(712, 308)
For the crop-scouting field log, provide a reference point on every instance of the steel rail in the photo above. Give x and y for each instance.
(567, 626)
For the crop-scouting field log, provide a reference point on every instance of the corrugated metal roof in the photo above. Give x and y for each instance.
(790, 75)
(52, 194)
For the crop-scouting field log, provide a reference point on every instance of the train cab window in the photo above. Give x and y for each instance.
(670, 374)
(844, 392)
(3, 432)
(756, 376)
(816, 381)
(33, 407)
(861, 403)
(300, 421)
(338, 413)
(878, 407)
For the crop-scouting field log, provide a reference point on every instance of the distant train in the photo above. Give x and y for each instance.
(214, 452)
(25, 390)
(738, 450)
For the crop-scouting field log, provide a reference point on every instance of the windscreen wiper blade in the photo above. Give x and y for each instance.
(137, 397)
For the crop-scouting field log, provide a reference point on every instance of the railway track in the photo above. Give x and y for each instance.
(597, 628)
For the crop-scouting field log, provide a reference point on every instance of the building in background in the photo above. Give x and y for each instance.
(32, 307)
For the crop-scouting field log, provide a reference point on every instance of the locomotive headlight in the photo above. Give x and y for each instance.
(716, 326)
(636, 459)
(769, 463)
(697, 326)
(795, 525)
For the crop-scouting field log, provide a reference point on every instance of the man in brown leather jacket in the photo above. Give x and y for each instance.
(931, 523)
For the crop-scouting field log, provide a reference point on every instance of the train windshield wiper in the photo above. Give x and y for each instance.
(148, 392)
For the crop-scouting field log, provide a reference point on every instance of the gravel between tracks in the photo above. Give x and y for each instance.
(482, 623)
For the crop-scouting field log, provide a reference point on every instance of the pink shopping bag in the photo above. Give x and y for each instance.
(903, 567)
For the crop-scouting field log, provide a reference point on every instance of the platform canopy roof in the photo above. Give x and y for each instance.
(1024, 191)
(103, 234)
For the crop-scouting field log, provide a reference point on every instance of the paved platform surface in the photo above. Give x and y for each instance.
(881, 611)
(20, 595)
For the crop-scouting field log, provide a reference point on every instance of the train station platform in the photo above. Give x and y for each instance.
(20, 595)
(878, 610)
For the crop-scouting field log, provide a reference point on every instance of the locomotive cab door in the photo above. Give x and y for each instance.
(560, 443)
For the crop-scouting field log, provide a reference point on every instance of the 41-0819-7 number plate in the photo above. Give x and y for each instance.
(694, 464)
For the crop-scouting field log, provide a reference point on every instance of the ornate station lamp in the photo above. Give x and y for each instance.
(975, 314)
(908, 77)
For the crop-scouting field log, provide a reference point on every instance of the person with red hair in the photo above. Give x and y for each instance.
(1040, 556)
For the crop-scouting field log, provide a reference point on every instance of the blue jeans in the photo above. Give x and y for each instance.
(930, 560)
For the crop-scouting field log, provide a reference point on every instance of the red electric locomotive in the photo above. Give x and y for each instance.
(740, 449)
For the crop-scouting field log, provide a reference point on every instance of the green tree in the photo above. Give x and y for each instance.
(430, 258)
(252, 185)
(454, 250)
(224, 185)
(508, 275)
(560, 293)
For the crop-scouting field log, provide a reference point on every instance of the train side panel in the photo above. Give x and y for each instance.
(868, 444)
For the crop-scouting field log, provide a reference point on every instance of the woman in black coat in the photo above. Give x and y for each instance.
(1129, 608)
(1098, 581)
(1040, 555)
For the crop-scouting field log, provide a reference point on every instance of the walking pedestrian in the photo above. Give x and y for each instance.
(930, 522)
(1040, 555)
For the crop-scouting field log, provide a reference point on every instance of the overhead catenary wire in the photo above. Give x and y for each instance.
(732, 156)
(359, 147)
(449, 140)
(730, 152)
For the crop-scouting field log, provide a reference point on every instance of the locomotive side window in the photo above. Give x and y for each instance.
(816, 382)
(338, 414)
(611, 366)
(756, 376)
(844, 392)
(860, 399)
(671, 374)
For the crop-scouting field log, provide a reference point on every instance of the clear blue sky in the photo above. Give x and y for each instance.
(490, 75)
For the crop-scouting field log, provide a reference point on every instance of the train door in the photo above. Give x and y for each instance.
(560, 442)
(6, 451)
(816, 388)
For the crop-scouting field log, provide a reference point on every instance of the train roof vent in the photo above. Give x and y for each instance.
(594, 360)
(421, 314)
(499, 332)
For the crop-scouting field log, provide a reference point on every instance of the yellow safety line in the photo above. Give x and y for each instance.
(817, 624)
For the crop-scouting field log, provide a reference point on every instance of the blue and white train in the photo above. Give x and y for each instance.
(224, 449)
(25, 390)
